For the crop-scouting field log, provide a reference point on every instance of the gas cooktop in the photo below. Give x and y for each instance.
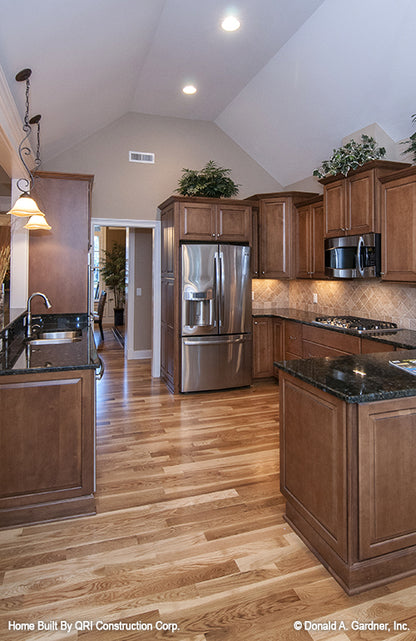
(360, 325)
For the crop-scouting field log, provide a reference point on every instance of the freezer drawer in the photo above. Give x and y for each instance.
(215, 362)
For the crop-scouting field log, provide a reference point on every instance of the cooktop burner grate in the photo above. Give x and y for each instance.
(360, 325)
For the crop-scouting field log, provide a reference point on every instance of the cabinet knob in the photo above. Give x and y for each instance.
(262, 272)
(381, 273)
(292, 338)
(213, 235)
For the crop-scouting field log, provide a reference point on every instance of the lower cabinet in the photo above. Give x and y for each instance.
(349, 479)
(267, 345)
(262, 347)
(47, 453)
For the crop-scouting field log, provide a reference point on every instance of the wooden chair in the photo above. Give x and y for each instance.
(98, 315)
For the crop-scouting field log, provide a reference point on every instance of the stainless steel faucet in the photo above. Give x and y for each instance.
(29, 313)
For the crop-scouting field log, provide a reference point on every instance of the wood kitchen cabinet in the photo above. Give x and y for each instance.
(267, 345)
(214, 220)
(352, 204)
(398, 226)
(310, 244)
(292, 340)
(47, 451)
(349, 479)
(58, 259)
(262, 347)
(317, 343)
(276, 233)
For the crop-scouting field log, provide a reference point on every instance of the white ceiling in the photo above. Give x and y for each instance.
(287, 87)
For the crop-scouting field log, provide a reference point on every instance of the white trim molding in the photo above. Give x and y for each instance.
(155, 225)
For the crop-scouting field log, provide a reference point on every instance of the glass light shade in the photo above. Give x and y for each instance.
(25, 206)
(37, 221)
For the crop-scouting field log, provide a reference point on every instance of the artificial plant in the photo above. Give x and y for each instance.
(113, 270)
(212, 181)
(350, 156)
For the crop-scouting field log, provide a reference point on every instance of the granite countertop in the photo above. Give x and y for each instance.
(359, 378)
(17, 356)
(405, 338)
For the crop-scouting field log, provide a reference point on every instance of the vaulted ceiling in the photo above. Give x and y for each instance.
(297, 77)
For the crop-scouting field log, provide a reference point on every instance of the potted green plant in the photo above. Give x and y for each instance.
(212, 181)
(350, 156)
(411, 142)
(113, 270)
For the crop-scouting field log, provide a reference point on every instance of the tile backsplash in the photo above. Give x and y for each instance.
(370, 299)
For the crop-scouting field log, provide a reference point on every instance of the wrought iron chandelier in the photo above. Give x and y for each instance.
(25, 205)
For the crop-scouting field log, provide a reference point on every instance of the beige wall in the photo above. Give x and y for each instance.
(143, 280)
(133, 190)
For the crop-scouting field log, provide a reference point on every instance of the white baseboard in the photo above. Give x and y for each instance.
(139, 354)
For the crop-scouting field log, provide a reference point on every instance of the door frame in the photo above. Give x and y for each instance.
(155, 226)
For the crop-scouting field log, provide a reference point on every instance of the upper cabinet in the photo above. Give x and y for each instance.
(276, 233)
(352, 204)
(214, 219)
(398, 226)
(58, 259)
(310, 254)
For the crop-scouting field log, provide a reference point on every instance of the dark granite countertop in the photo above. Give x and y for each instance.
(17, 356)
(405, 338)
(359, 378)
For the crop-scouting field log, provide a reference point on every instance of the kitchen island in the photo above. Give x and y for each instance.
(348, 447)
(47, 409)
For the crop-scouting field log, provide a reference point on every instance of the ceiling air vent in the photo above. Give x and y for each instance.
(141, 156)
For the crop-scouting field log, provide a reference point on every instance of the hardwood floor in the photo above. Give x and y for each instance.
(189, 532)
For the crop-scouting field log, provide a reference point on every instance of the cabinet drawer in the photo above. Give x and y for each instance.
(316, 350)
(368, 346)
(339, 341)
(293, 339)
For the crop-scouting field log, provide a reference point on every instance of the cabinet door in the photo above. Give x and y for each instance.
(277, 325)
(168, 242)
(303, 242)
(47, 445)
(360, 213)
(275, 238)
(334, 206)
(262, 347)
(58, 259)
(386, 476)
(313, 462)
(318, 241)
(197, 221)
(234, 223)
(293, 340)
(398, 235)
(254, 258)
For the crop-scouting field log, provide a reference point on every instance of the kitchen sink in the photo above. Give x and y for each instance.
(56, 337)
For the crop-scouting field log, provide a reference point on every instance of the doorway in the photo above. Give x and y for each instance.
(138, 235)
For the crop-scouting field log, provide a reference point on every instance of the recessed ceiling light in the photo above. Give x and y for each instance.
(230, 23)
(189, 90)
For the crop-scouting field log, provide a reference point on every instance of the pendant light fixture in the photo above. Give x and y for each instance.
(25, 205)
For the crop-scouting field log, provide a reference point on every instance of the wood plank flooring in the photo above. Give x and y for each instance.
(189, 532)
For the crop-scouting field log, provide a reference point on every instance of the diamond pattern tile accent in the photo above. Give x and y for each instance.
(370, 299)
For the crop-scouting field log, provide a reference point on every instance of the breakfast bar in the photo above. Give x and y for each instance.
(348, 447)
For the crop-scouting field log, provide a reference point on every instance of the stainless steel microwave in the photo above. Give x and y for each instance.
(353, 256)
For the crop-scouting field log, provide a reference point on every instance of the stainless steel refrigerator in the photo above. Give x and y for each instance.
(216, 317)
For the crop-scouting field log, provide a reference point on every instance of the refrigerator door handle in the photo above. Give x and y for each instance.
(220, 291)
(198, 341)
(217, 276)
